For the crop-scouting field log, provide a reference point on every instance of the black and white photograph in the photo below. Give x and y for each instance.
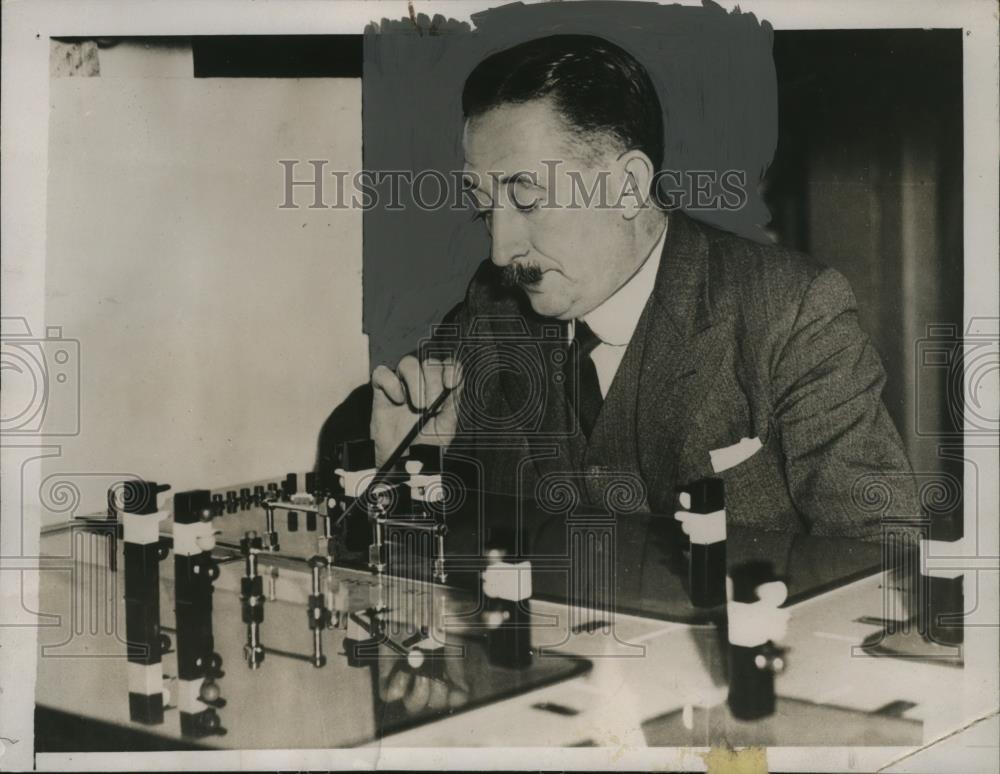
(471, 384)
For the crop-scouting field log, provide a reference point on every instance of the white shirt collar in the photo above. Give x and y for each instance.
(615, 320)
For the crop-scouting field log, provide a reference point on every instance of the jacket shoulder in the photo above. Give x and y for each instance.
(769, 284)
(759, 271)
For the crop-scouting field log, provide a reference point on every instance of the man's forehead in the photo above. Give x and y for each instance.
(515, 138)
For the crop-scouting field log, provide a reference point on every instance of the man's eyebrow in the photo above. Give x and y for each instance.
(521, 177)
(517, 177)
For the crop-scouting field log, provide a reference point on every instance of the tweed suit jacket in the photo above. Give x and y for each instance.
(738, 340)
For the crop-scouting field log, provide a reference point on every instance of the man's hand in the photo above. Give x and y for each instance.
(401, 396)
(420, 689)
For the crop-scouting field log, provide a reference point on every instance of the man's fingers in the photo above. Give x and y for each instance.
(399, 685)
(426, 380)
(432, 371)
(439, 695)
(409, 372)
(416, 699)
(440, 430)
(385, 381)
(440, 375)
(455, 667)
(451, 374)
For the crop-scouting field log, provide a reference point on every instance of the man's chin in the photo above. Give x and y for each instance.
(545, 305)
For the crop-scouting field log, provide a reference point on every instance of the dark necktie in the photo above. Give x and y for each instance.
(588, 388)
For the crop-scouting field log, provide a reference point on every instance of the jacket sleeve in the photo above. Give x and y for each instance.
(845, 465)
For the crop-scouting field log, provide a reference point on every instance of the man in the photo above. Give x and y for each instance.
(697, 353)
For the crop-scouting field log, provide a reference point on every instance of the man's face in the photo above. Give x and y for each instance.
(568, 259)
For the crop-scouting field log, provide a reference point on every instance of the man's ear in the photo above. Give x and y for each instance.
(637, 180)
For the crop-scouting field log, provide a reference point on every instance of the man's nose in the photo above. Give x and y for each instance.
(509, 237)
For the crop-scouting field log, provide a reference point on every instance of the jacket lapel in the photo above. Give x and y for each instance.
(615, 431)
(548, 441)
(680, 346)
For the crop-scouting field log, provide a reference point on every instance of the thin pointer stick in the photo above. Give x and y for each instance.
(390, 463)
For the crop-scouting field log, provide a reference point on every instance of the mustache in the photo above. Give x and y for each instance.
(515, 274)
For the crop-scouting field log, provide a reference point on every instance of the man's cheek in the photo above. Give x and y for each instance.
(557, 247)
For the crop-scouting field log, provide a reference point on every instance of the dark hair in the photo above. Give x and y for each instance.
(597, 87)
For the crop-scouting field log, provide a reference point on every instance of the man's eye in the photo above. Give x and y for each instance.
(528, 206)
(484, 215)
